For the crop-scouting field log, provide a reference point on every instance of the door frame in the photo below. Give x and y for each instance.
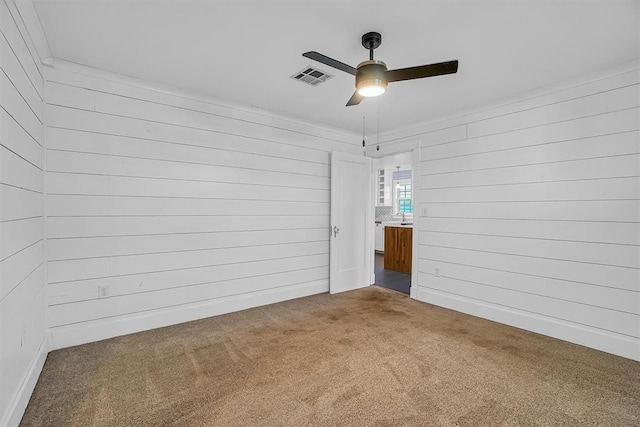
(417, 215)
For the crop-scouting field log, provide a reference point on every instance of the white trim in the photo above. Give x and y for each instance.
(20, 399)
(371, 214)
(393, 148)
(173, 91)
(371, 217)
(70, 335)
(599, 340)
(415, 233)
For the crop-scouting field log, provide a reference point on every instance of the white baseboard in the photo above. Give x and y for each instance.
(413, 292)
(20, 400)
(609, 342)
(70, 335)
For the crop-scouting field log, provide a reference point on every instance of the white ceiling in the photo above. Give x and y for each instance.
(244, 51)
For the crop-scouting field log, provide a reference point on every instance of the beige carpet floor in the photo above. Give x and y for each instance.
(366, 357)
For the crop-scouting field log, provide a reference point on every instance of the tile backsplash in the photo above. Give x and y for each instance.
(384, 213)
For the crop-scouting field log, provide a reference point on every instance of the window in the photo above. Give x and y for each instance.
(404, 198)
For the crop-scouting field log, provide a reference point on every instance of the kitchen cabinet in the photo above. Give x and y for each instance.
(379, 238)
(398, 245)
(380, 184)
(383, 187)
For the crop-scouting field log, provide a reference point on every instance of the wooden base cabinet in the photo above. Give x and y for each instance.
(398, 248)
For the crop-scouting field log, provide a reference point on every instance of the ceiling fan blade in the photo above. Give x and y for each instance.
(355, 99)
(419, 72)
(330, 62)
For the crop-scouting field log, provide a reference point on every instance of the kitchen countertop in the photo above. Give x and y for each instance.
(396, 224)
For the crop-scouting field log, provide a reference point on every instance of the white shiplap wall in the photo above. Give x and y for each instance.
(164, 207)
(23, 345)
(533, 212)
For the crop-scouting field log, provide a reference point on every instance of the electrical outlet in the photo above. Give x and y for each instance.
(103, 291)
(437, 272)
(423, 212)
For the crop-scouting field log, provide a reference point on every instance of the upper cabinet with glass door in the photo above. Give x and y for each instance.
(383, 187)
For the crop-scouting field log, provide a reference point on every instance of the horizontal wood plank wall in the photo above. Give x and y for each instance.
(533, 213)
(164, 208)
(22, 277)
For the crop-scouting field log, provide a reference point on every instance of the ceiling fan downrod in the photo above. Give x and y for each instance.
(371, 41)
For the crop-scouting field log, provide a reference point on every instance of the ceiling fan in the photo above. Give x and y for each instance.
(372, 76)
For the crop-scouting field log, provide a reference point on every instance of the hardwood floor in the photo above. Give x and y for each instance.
(390, 279)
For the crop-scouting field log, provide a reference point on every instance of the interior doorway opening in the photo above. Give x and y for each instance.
(393, 213)
(391, 279)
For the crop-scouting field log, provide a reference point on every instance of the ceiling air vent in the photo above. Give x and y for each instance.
(311, 76)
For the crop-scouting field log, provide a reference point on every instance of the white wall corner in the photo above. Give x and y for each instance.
(20, 400)
(31, 21)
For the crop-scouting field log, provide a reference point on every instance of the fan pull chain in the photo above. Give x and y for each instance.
(378, 137)
(363, 133)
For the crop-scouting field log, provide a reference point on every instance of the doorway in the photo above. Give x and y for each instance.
(394, 201)
(391, 279)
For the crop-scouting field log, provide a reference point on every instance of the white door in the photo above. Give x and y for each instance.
(351, 248)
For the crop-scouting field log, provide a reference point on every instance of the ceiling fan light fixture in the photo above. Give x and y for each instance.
(371, 78)
(370, 88)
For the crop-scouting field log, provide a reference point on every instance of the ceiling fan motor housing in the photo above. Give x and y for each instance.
(371, 73)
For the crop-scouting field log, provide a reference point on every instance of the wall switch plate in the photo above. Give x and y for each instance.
(103, 291)
(423, 212)
(437, 272)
